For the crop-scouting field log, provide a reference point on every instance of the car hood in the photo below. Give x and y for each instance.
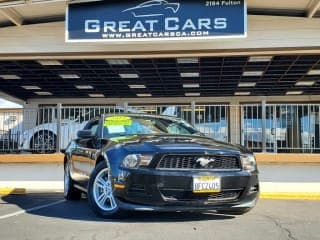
(176, 143)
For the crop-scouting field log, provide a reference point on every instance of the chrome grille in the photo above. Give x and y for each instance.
(185, 161)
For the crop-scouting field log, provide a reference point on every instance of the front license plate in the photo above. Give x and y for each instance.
(206, 184)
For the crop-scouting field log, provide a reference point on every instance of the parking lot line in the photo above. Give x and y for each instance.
(31, 209)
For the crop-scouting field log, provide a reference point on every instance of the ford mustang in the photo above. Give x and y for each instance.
(153, 8)
(157, 163)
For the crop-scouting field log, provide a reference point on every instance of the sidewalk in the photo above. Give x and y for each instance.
(277, 181)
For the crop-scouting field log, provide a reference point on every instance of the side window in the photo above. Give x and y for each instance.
(92, 126)
(176, 129)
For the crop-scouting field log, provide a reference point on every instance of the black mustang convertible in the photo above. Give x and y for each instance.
(157, 163)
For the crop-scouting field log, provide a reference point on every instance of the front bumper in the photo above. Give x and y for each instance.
(160, 190)
(136, 207)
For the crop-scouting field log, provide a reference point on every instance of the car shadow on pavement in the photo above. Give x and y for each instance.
(80, 210)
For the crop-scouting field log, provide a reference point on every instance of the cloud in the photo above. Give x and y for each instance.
(8, 104)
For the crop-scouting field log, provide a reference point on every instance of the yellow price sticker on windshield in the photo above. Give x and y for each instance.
(118, 121)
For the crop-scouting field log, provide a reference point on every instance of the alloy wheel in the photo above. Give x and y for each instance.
(44, 142)
(103, 192)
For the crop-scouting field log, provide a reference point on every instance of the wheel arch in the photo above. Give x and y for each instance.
(65, 160)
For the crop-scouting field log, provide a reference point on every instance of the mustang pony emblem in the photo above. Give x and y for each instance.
(153, 8)
(205, 161)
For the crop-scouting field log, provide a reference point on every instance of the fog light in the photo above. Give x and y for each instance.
(254, 189)
(122, 176)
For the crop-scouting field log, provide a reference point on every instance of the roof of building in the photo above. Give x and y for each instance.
(19, 12)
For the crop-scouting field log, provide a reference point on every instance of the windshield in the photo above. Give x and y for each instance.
(116, 126)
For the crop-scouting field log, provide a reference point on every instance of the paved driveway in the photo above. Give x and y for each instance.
(48, 216)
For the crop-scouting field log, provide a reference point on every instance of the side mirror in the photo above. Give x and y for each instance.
(84, 134)
(104, 141)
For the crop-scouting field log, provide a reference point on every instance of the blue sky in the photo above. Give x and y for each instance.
(7, 104)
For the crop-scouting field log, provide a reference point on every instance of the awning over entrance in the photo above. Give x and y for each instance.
(162, 77)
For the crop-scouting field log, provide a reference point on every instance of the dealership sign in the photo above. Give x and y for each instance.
(155, 19)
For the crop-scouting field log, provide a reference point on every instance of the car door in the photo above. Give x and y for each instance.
(83, 156)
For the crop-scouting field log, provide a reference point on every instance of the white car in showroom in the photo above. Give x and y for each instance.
(43, 137)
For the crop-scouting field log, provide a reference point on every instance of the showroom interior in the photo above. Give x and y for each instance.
(261, 90)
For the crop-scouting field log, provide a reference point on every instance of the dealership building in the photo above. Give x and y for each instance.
(247, 72)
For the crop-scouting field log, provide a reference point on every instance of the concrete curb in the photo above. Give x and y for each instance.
(272, 158)
(269, 190)
(290, 190)
(290, 195)
(31, 158)
(12, 191)
(24, 187)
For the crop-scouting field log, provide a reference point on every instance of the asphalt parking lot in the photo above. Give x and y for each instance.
(49, 217)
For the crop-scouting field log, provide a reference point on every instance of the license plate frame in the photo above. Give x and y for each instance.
(206, 184)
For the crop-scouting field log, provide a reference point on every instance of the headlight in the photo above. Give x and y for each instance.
(136, 160)
(248, 162)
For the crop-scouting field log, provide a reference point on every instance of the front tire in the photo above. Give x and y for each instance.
(100, 193)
